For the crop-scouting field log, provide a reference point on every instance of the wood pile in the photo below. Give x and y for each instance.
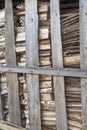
(71, 52)
(70, 36)
(70, 40)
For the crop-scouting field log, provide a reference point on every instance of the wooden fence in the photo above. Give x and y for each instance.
(33, 71)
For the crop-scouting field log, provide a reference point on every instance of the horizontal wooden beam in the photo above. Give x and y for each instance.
(46, 71)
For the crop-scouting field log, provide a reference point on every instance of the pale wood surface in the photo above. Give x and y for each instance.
(32, 60)
(12, 81)
(59, 90)
(47, 71)
(83, 55)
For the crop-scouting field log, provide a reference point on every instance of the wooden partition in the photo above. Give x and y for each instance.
(32, 69)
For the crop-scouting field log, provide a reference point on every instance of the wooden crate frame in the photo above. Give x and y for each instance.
(57, 71)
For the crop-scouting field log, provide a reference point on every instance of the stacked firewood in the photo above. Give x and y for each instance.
(70, 40)
(46, 91)
(70, 37)
(71, 51)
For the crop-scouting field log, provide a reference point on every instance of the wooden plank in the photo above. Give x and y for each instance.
(0, 108)
(12, 81)
(46, 71)
(8, 126)
(83, 55)
(59, 89)
(32, 60)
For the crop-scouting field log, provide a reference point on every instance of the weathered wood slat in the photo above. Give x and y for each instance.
(32, 60)
(8, 126)
(83, 55)
(0, 108)
(47, 71)
(59, 90)
(12, 81)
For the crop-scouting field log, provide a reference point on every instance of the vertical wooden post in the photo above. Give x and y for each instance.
(0, 104)
(12, 81)
(0, 108)
(32, 60)
(83, 56)
(59, 89)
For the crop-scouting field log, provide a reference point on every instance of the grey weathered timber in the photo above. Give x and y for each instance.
(68, 72)
(0, 105)
(83, 55)
(32, 60)
(0, 108)
(12, 81)
(58, 82)
(9, 126)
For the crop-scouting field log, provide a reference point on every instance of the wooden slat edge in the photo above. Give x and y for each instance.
(83, 57)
